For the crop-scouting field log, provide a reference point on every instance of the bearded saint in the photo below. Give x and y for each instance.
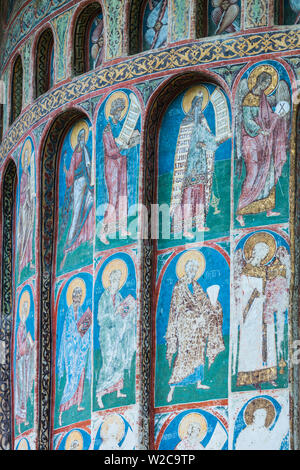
(79, 198)
(194, 331)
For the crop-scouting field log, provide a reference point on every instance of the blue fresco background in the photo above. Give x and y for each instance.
(171, 439)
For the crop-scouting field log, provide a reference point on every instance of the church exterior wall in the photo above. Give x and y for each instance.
(165, 361)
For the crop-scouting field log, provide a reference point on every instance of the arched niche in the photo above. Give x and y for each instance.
(215, 17)
(172, 100)
(16, 89)
(88, 39)
(148, 25)
(44, 63)
(50, 165)
(8, 197)
(1, 122)
(287, 12)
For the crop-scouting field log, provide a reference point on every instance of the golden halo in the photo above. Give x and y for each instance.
(74, 436)
(25, 297)
(257, 404)
(115, 264)
(77, 282)
(260, 237)
(187, 256)
(190, 95)
(23, 445)
(75, 131)
(108, 422)
(258, 71)
(192, 418)
(27, 146)
(113, 97)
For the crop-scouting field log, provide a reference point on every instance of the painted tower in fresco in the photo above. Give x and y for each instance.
(149, 224)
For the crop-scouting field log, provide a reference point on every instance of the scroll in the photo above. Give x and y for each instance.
(128, 132)
(213, 293)
(223, 131)
(181, 153)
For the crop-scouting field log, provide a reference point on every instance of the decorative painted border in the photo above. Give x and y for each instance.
(176, 58)
(47, 215)
(26, 19)
(7, 304)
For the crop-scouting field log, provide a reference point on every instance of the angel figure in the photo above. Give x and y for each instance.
(262, 129)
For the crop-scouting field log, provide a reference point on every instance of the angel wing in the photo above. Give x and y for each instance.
(283, 99)
(242, 92)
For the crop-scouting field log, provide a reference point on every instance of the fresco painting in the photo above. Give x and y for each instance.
(260, 421)
(75, 439)
(263, 125)
(114, 432)
(262, 275)
(224, 16)
(115, 324)
(194, 157)
(76, 199)
(155, 24)
(222, 167)
(96, 42)
(24, 362)
(117, 164)
(26, 204)
(192, 328)
(24, 444)
(73, 351)
(194, 429)
(291, 11)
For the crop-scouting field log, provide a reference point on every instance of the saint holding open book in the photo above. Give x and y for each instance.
(117, 321)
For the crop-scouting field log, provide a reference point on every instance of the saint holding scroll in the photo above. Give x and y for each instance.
(120, 142)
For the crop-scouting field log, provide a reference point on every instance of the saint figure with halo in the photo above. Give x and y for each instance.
(194, 330)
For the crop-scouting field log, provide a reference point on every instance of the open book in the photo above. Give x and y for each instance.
(84, 322)
(127, 306)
